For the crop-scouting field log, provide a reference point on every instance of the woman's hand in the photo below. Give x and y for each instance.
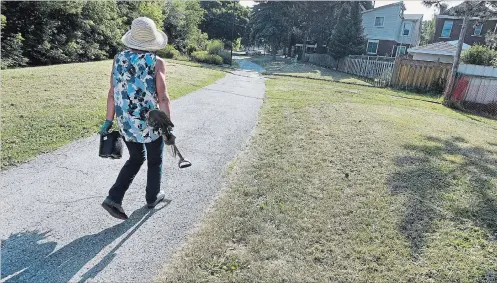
(105, 127)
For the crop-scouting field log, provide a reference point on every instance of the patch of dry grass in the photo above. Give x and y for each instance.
(284, 66)
(44, 108)
(346, 183)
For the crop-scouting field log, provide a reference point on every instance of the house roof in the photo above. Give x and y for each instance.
(439, 48)
(415, 17)
(389, 5)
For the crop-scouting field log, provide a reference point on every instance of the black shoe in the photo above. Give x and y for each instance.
(160, 197)
(114, 209)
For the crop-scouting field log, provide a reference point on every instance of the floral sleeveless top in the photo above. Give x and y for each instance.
(135, 94)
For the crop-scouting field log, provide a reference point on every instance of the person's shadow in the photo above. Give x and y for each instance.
(24, 259)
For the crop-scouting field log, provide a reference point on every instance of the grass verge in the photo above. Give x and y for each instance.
(284, 67)
(44, 108)
(347, 183)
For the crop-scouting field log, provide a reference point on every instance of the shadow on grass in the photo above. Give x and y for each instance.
(283, 66)
(26, 258)
(448, 179)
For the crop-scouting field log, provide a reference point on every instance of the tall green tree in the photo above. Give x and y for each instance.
(348, 36)
(181, 23)
(224, 19)
(427, 32)
(61, 32)
(491, 40)
(11, 48)
(270, 25)
(154, 10)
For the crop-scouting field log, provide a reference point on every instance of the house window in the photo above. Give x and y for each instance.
(478, 30)
(406, 29)
(379, 21)
(447, 29)
(372, 47)
(401, 50)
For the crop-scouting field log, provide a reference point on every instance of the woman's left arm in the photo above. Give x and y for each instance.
(111, 107)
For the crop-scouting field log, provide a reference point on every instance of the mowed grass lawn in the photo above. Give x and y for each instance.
(284, 67)
(44, 108)
(345, 183)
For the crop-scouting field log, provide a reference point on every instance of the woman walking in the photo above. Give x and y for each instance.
(138, 85)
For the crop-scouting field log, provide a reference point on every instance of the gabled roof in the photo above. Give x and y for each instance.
(389, 5)
(439, 48)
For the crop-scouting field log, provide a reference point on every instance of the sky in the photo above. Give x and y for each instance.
(412, 6)
(417, 7)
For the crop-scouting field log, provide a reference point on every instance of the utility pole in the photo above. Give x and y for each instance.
(455, 65)
(232, 32)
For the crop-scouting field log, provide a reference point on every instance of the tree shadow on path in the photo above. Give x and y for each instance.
(445, 179)
(27, 260)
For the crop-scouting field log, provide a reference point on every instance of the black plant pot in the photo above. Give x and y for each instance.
(111, 145)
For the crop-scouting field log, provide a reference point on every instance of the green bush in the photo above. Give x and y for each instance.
(190, 49)
(205, 57)
(226, 55)
(168, 52)
(215, 46)
(479, 55)
(12, 52)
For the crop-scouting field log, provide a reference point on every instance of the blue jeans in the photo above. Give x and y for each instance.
(137, 154)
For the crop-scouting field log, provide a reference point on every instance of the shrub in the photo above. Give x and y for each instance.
(205, 57)
(226, 55)
(215, 46)
(190, 49)
(168, 52)
(479, 55)
(12, 52)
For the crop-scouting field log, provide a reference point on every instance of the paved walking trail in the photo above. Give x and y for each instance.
(54, 229)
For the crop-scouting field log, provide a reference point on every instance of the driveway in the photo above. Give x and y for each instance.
(54, 229)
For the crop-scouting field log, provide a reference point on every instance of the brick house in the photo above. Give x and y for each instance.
(389, 31)
(448, 28)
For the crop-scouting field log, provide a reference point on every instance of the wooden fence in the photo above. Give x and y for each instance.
(377, 70)
(321, 60)
(420, 75)
(399, 72)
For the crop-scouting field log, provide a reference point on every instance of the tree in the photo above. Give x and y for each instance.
(427, 31)
(491, 40)
(218, 19)
(348, 35)
(61, 32)
(270, 25)
(181, 23)
(482, 10)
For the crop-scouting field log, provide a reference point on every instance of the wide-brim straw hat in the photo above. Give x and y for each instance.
(144, 35)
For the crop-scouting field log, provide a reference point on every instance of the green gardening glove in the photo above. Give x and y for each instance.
(105, 127)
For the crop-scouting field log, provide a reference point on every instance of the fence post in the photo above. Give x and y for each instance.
(396, 70)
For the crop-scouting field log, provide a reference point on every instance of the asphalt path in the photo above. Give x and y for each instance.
(53, 228)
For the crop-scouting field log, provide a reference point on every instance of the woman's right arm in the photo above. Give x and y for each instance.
(160, 83)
